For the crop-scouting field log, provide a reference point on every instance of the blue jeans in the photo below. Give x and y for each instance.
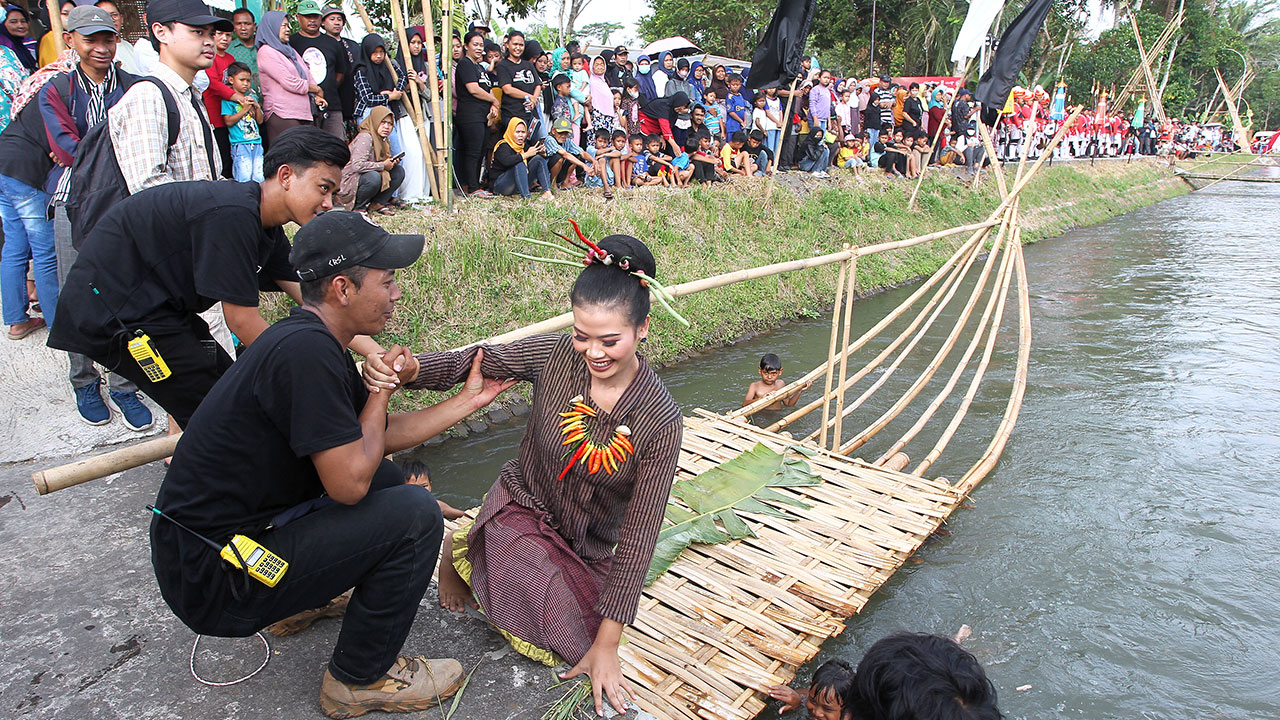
(771, 140)
(28, 235)
(873, 134)
(817, 165)
(516, 179)
(246, 162)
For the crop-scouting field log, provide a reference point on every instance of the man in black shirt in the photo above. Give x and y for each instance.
(289, 450)
(519, 81)
(334, 19)
(326, 58)
(168, 253)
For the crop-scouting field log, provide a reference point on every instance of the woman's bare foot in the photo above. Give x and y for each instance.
(455, 593)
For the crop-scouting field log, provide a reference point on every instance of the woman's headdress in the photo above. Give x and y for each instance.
(595, 255)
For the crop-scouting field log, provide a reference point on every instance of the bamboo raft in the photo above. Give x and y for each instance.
(728, 620)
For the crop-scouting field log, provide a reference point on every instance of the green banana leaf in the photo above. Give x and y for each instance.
(713, 496)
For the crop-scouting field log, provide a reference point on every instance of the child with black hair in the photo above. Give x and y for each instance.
(660, 166)
(416, 472)
(640, 175)
(828, 696)
(737, 109)
(703, 163)
(760, 152)
(604, 166)
(916, 676)
(771, 381)
(626, 157)
(735, 159)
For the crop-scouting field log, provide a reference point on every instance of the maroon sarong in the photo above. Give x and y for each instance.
(531, 584)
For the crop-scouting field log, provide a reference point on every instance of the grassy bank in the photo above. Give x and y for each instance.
(467, 286)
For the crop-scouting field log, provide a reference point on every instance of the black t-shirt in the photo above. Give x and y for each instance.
(245, 455)
(327, 59)
(24, 148)
(878, 117)
(960, 121)
(162, 256)
(522, 76)
(912, 106)
(762, 150)
(471, 108)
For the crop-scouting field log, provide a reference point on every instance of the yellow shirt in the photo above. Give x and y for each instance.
(47, 52)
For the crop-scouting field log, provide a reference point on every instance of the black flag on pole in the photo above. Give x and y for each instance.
(776, 61)
(1015, 45)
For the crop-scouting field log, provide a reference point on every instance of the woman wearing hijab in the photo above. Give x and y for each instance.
(697, 79)
(14, 35)
(287, 86)
(604, 118)
(720, 82)
(629, 108)
(814, 153)
(416, 187)
(514, 165)
(374, 83)
(644, 78)
(663, 73)
(372, 174)
(659, 117)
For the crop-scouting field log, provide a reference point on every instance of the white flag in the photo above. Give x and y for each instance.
(976, 24)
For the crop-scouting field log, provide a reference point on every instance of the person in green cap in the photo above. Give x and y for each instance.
(326, 59)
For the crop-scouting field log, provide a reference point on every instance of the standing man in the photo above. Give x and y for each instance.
(327, 60)
(72, 104)
(289, 450)
(333, 21)
(879, 117)
(962, 113)
(161, 257)
(245, 27)
(618, 72)
(520, 84)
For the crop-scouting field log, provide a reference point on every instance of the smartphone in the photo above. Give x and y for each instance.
(397, 157)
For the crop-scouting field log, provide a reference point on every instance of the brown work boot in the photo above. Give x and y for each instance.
(412, 684)
(294, 624)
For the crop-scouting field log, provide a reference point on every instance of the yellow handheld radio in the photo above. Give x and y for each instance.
(144, 351)
(263, 565)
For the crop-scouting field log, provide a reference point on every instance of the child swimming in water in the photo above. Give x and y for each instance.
(828, 695)
(416, 473)
(770, 381)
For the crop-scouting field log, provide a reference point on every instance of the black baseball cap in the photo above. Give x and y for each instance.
(339, 239)
(885, 78)
(621, 50)
(187, 12)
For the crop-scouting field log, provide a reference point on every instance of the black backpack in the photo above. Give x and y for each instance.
(97, 184)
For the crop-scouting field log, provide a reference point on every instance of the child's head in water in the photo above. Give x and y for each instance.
(915, 676)
(416, 472)
(829, 692)
(770, 367)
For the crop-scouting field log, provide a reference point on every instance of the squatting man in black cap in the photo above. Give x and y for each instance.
(289, 449)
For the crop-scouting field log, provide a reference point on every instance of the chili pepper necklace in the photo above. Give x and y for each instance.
(573, 426)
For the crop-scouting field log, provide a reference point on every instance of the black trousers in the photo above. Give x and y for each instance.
(385, 546)
(703, 172)
(787, 145)
(892, 160)
(469, 152)
(222, 136)
(195, 360)
(369, 188)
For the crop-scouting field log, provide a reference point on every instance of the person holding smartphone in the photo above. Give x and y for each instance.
(373, 174)
(518, 168)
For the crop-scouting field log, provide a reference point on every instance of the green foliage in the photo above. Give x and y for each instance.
(599, 31)
(725, 27)
(715, 496)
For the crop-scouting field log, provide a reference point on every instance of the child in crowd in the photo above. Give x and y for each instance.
(581, 84)
(660, 167)
(242, 126)
(922, 151)
(773, 107)
(828, 696)
(715, 114)
(850, 155)
(736, 161)
(761, 120)
(564, 155)
(604, 160)
(737, 110)
(417, 473)
(771, 381)
(640, 164)
(706, 168)
(760, 153)
(626, 158)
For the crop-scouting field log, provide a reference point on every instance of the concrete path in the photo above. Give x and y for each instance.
(38, 413)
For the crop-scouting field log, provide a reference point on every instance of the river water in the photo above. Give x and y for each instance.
(1120, 560)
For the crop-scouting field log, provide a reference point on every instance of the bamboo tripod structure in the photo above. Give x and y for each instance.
(1142, 74)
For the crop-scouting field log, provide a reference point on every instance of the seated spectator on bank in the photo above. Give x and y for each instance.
(893, 153)
(564, 155)
(516, 168)
(814, 155)
(165, 254)
(914, 676)
(290, 451)
(659, 116)
(373, 173)
(760, 153)
(851, 154)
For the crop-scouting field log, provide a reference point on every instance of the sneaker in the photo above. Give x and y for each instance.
(136, 415)
(412, 684)
(89, 403)
(295, 624)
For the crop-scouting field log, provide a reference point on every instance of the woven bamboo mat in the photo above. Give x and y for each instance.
(727, 621)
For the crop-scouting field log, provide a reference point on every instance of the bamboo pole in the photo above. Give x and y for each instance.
(1228, 175)
(446, 66)
(837, 437)
(989, 458)
(831, 352)
(997, 293)
(1242, 135)
(433, 89)
(946, 121)
(974, 384)
(787, 129)
(91, 468)
(1153, 90)
(996, 169)
(415, 108)
(55, 27)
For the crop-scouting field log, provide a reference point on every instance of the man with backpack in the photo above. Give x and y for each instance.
(71, 104)
(162, 256)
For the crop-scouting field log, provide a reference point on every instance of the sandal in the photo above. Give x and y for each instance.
(25, 328)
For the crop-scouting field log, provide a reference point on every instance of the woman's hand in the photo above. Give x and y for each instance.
(602, 666)
(790, 698)
(388, 164)
(479, 389)
(390, 369)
